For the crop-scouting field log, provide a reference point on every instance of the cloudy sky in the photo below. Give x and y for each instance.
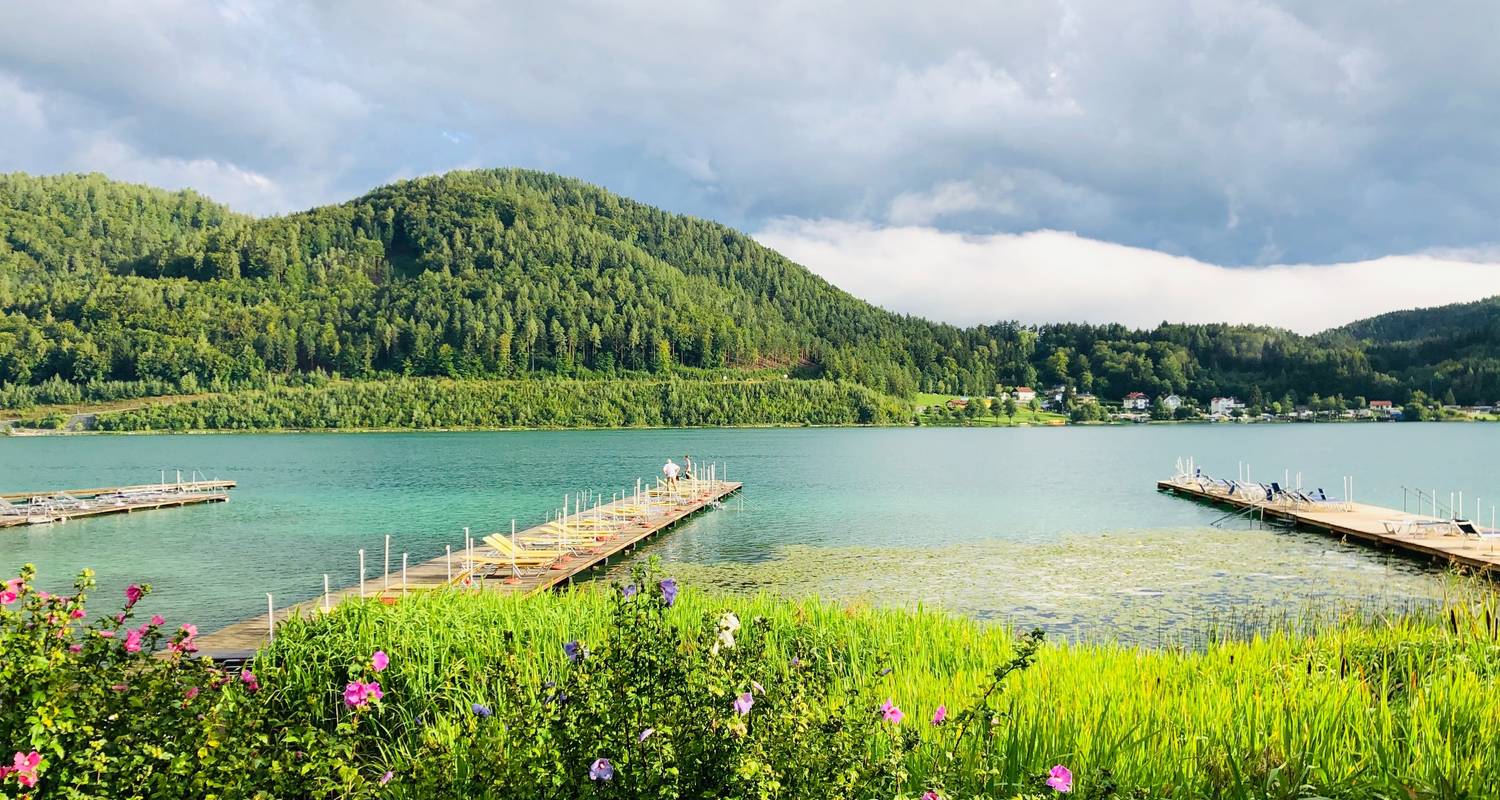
(1299, 164)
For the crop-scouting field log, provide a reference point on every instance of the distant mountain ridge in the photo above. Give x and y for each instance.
(110, 289)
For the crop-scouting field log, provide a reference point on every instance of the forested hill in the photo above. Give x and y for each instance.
(111, 290)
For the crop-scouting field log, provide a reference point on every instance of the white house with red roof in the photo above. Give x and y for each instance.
(1137, 401)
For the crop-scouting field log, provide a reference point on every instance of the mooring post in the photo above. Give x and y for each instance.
(361, 573)
(403, 573)
(468, 552)
(327, 601)
(385, 579)
(448, 560)
(270, 616)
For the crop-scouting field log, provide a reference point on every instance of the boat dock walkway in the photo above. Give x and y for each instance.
(537, 559)
(46, 507)
(1450, 541)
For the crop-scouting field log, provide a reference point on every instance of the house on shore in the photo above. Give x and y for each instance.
(1224, 405)
(1382, 406)
(1172, 402)
(1136, 401)
(1023, 394)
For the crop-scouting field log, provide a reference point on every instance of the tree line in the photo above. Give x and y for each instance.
(110, 290)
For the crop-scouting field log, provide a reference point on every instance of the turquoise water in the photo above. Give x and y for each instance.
(1060, 527)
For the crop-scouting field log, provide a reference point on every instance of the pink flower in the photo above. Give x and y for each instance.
(940, 715)
(191, 692)
(251, 684)
(120, 617)
(7, 597)
(158, 620)
(26, 765)
(931, 795)
(78, 613)
(379, 661)
(15, 585)
(107, 634)
(1061, 779)
(43, 596)
(891, 713)
(133, 595)
(75, 648)
(190, 629)
(743, 704)
(359, 695)
(386, 778)
(133, 641)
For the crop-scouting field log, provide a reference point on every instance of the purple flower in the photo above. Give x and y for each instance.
(1060, 779)
(380, 661)
(931, 795)
(576, 651)
(669, 591)
(891, 712)
(386, 778)
(645, 734)
(940, 715)
(251, 684)
(601, 770)
(757, 687)
(629, 591)
(133, 595)
(743, 704)
(482, 710)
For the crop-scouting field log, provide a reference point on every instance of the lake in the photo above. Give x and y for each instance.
(1060, 527)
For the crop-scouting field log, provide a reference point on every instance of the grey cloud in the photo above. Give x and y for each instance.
(1234, 132)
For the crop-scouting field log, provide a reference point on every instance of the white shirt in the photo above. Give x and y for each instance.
(671, 469)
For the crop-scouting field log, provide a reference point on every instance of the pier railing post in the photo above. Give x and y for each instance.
(327, 601)
(448, 560)
(361, 573)
(270, 617)
(385, 578)
(403, 573)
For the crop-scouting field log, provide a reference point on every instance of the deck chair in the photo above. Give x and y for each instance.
(503, 546)
(1467, 529)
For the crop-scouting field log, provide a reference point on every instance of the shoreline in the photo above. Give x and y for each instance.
(27, 433)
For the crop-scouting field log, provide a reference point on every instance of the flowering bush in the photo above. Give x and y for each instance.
(108, 708)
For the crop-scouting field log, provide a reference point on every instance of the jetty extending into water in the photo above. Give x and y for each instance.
(49, 507)
(576, 541)
(1441, 536)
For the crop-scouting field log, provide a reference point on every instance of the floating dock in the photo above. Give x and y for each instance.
(1450, 541)
(546, 557)
(47, 507)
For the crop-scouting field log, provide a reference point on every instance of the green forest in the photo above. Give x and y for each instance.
(110, 290)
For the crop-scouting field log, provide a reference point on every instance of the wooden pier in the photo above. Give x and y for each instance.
(1419, 535)
(547, 556)
(54, 506)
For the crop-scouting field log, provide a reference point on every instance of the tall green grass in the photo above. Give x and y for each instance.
(1397, 705)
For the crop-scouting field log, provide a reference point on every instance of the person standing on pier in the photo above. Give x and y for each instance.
(687, 469)
(671, 470)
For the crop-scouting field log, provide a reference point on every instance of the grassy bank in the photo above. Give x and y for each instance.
(661, 692)
(935, 410)
(1406, 708)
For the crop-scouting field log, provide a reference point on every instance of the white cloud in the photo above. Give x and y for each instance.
(1050, 276)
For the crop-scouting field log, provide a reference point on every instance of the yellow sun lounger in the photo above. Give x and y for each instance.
(503, 546)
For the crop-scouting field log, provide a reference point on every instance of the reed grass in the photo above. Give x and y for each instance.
(1397, 704)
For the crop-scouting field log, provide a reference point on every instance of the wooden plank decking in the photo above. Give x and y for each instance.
(642, 517)
(201, 486)
(1412, 534)
(108, 500)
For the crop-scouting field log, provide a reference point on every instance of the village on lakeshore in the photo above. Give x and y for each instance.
(1063, 404)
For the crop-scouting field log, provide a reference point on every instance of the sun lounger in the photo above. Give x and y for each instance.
(506, 549)
(1467, 529)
